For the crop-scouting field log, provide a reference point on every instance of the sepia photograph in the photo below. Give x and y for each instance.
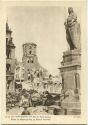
(42, 75)
(43, 64)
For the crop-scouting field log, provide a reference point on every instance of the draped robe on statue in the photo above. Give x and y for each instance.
(73, 31)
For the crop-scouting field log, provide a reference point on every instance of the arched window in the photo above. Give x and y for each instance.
(32, 61)
(8, 67)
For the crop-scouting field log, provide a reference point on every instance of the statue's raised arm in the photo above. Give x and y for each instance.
(72, 30)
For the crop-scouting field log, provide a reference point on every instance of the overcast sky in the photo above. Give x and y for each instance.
(43, 26)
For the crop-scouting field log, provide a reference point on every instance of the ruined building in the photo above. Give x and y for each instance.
(10, 59)
(31, 64)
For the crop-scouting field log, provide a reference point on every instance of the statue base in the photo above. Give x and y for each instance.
(70, 72)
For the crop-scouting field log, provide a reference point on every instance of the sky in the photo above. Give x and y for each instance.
(43, 25)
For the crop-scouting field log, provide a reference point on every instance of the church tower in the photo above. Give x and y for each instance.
(30, 59)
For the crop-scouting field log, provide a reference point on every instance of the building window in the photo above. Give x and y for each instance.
(38, 84)
(8, 84)
(38, 75)
(30, 52)
(8, 53)
(8, 67)
(29, 77)
(31, 60)
(28, 61)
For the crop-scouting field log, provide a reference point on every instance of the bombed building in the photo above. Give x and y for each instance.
(10, 59)
(30, 62)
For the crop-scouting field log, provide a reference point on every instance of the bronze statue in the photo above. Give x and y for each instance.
(72, 30)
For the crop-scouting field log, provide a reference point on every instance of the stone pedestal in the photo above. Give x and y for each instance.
(70, 72)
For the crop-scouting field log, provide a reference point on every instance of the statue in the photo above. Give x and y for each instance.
(72, 30)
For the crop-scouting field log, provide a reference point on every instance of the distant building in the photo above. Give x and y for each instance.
(36, 77)
(30, 62)
(10, 59)
(52, 85)
(19, 75)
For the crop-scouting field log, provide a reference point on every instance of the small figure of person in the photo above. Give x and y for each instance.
(25, 111)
